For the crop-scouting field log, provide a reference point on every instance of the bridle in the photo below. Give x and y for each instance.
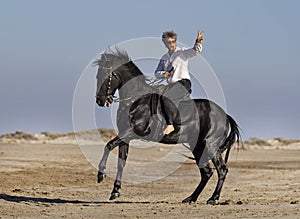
(110, 76)
(109, 83)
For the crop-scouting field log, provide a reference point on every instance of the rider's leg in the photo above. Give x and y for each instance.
(169, 110)
(170, 101)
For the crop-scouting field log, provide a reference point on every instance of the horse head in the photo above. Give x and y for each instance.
(108, 77)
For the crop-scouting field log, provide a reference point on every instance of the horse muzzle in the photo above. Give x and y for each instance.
(104, 101)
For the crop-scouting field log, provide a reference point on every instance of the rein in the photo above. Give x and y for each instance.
(119, 100)
(116, 99)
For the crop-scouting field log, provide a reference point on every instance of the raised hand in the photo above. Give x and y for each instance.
(199, 36)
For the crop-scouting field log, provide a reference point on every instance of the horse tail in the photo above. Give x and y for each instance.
(234, 136)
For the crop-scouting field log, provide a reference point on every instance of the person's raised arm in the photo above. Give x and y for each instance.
(197, 48)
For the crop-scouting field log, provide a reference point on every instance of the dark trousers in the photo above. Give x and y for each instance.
(171, 98)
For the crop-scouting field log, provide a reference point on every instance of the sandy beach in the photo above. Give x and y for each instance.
(41, 180)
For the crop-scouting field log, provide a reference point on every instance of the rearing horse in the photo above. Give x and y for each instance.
(202, 123)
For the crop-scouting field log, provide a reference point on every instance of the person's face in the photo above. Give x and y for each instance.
(171, 44)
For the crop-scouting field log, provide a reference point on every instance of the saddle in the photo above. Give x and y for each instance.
(186, 116)
(185, 106)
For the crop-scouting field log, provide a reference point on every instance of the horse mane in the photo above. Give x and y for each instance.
(121, 62)
(117, 57)
(118, 60)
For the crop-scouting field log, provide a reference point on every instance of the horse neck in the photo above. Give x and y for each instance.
(133, 86)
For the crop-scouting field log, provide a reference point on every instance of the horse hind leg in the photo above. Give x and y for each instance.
(222, 172)
(206, 173)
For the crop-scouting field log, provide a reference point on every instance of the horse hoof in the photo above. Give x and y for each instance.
(188, 200)
(114, 195)
(101, 176)
(211, 202)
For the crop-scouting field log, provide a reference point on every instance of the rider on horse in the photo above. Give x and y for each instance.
(173, 66)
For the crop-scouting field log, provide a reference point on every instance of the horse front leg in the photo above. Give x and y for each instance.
(123, 153)
(107, 149)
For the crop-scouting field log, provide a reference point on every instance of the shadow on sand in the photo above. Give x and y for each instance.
(18, 199)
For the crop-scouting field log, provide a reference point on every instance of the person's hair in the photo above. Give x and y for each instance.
(169, 34)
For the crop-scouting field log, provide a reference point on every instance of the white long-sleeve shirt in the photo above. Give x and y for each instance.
(179, 61)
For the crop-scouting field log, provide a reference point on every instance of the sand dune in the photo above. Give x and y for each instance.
(103, 135)
(91, 136)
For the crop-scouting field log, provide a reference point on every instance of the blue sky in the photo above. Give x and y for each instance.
(253, 46)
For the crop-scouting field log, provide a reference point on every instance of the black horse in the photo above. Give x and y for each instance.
(202, 123)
